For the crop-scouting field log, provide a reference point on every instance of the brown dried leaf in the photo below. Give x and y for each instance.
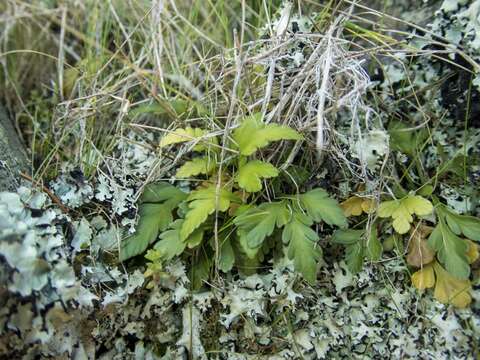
(419, 253)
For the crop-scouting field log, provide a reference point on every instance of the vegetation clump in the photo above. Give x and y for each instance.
(241, 179)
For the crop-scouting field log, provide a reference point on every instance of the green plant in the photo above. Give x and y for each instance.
(225, 217)
(441, 254)
(452, 250)
(358, 246)
(402, 211)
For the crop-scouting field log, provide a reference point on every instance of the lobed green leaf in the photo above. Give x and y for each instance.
(203, 203)
(302, 247)
(253, 134)
(255, 224)
(320, 207)
(162, 192)
(250, 175)
(153, 218)
(197, 166)
(469, 226)
(451, 250)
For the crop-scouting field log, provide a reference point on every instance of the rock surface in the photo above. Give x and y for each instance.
(13, 158)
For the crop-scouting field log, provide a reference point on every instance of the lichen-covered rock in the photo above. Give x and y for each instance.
(58, 303)
(72, 188)
(441, 73)
(42, 300)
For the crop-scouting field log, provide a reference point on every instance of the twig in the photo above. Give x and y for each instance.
(51, 195)
(230, 116)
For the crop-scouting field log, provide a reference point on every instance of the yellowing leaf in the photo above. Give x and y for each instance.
(368, 205)
(352, 206)
(451, 290)
(197, 166)
(424, 278)
(356, 205)
(182, 135)
(154, 265)
(417, 205)
(188, 134)
(402, 210)
(419, 252)
(253, 134)
(401, 221)
(472, 252)
(387, 208)
(250, 175)
(198, 213)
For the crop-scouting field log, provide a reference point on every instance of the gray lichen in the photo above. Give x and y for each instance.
(272, 313)
(44, 300)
